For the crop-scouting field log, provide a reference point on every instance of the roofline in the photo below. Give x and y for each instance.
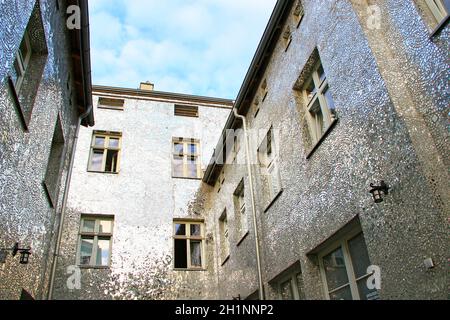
(258, 66)
(162, 95)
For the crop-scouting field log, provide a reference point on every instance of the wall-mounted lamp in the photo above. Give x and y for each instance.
(24, 253)
(378, 191)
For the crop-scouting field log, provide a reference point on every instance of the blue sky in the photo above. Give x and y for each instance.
(201, 47)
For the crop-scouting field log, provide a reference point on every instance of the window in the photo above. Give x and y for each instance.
(95, 241)
(287, 37)
(186, 158)
(289, 284)
(299, 12)
(220, 181)
(110, 103)
(224, 237)
(21, 61)
(52, 175)
(240, 211)
(344, 269)
(186, 111)
(188, 244)
(268, 159)
(320, 108)
(105, 152)
(439, 8)
(28, 66)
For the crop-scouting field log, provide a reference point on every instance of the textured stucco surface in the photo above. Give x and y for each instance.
(390, 87)
(25, 213)
(144, 199)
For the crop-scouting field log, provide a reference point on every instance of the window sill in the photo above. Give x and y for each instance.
(94, 267)
(112, 173)
(318, 143)
(111, 108)
(186, 178)
(189, 269)
(242, 238)
(225, 260)
(16, 101)
(273, 200)
(440, 27)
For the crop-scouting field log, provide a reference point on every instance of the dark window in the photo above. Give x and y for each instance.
(186, 111)
(52, 175)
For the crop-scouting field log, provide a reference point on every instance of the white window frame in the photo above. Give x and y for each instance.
(186, 142)
(22, 62)
(107, 136)
(188, 239)
(95, 236)
(224, 236)
(343, 244)
(269, 163)
(438, 8)
(292, 278)
(321, 86)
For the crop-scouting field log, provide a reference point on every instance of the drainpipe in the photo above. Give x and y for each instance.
(252, 196)
(64, 204)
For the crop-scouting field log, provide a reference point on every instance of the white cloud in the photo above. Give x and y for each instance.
(199, 47)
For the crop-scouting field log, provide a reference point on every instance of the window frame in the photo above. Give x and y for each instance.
(240, 206)
(22, 62)
(321, 87)
(186, 154)
(224, 232)
(292, 278)
(95, 237)
(107, 135)
(120, 103)
(437, 9)
(342, 243)
(188, 239)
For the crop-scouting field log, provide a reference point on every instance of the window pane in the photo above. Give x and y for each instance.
(180, 229)
(343, 294)
(321, 73)
(365, 293)
(301, 293)
(23, 49)
(112, 157)
(195, 230)
(192, 167)
(180, 253)
(286, 291)
(99, 141)
(88, 226)
(196, 253)
(330, 103)
(97, 160)
(319, 124)
(86, 251)
(103, 252)
(105, 226)
(335, 270)
(359, 255)
(192, 148)
(113, 143)
(310, 89)
(177, 166)
(178, 148)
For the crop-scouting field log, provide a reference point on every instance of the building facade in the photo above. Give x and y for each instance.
(45, 96)
(328, 179)
(341, 95)
(135, 174)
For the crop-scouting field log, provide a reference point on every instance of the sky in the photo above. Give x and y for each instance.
(200, 47)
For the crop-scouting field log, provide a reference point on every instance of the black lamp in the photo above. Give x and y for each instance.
(378, 191)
